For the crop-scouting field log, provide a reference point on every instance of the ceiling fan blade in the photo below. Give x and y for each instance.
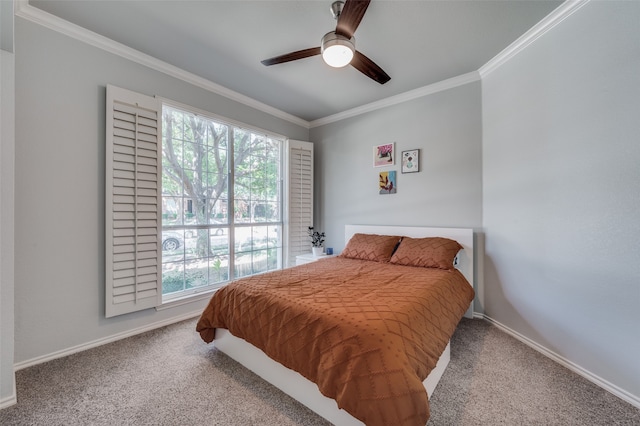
(293, 56)
(369, 68)
(350, 17)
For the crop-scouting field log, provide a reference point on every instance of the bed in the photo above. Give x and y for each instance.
(362, 337)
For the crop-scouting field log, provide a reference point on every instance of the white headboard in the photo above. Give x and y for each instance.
(464, 236)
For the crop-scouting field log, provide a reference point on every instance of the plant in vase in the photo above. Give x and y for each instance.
(317, 240)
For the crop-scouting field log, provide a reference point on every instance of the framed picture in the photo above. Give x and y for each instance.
(411, 161)
(387, 182)
(384, 155)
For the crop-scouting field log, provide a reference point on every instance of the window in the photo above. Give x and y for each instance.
(193, 201)
(221, 202)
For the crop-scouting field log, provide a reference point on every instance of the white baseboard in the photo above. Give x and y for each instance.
(104, 340)
(10, 400)
(610, 387)
(595, 379)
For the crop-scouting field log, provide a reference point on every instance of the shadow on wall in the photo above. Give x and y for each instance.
(500, 305)
(514, 309)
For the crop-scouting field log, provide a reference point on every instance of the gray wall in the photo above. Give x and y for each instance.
(7, 146)
(6, 26)
(447, 192)
(543, 154)
(561, 192)
(60, 155)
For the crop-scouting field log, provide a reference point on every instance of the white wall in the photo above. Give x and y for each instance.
(60, 155)
(561, 154)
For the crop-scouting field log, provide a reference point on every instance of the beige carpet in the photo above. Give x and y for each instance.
(170, 377)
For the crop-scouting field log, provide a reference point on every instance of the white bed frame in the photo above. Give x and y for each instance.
(305, 391)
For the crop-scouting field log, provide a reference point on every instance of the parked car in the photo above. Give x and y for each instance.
(172, 240)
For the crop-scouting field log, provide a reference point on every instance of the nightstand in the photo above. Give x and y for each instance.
(301, 259)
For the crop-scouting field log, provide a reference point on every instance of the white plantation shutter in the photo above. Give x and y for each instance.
(300, 199)
(132, 222)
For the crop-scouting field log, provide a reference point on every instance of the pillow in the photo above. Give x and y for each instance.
(433, 252)
(378, 248)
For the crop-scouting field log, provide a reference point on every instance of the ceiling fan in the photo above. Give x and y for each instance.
(338, 47)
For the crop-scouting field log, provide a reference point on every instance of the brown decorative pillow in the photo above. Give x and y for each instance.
(434, 252)
(378, 248)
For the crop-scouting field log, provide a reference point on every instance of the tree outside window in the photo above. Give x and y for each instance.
(212, 230)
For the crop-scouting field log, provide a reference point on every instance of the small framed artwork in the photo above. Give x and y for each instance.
(387, 182)
(411, 161)
(384, 155)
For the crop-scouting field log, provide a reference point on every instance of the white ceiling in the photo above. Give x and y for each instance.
(417, 43)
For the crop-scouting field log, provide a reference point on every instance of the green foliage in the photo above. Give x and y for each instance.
(172, 281)
(195, 191)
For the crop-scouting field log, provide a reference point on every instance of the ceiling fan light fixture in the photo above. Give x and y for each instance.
(337, 50)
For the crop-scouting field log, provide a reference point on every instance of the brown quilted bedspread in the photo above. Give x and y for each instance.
(366, 333)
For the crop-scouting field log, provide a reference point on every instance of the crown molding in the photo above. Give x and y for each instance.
(40, 17)
(561, 13)
(449, 83)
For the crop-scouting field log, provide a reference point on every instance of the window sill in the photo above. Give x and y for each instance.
(186, 300)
